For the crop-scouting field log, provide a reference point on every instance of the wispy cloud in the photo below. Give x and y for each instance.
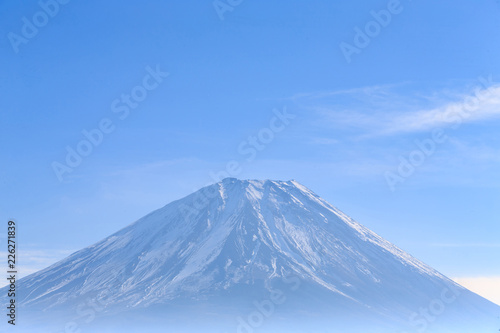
(31, 261)
(483, 104)
(381, 111)
(377, 91)
(462, 245)
(323, 141)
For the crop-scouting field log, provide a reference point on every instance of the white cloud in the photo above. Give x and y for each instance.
(31, 261)
(379, 110)
(484, 245)
(488, 287)
(377, 91)
(323, 141)
(481, 105)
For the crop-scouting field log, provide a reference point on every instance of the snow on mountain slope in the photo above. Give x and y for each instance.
(233, 243)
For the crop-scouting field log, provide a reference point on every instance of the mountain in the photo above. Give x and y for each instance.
(247, 256)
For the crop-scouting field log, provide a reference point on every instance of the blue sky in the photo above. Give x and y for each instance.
(426, 74)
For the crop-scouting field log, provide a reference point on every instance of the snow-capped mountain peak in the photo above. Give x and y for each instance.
(238, 239)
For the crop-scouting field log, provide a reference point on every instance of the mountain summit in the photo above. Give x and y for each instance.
(248, 256)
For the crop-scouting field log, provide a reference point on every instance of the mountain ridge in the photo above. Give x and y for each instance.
(236, 240)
